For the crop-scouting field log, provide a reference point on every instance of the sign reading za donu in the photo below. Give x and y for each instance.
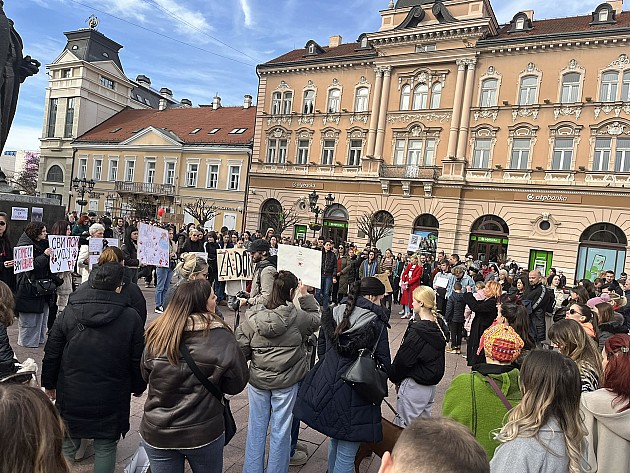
(234, 264)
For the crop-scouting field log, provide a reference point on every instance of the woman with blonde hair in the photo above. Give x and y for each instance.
(572, 341)
(485, 312)
(194, 430)
(31, 432)
(190, 268)
(419, 363)
(545, 432)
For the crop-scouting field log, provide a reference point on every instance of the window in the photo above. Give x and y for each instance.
(150, 172)
(399, 153)
(436, 95)
(405, 94)
(52, 117)
(238, 131)
(570, 87)
(608, 88)
(113, 170)
(334, 101)
(105, 82)
(191, 174)
(527, 91)
(82, 174)
(364, 42)
(354, 155)
(520, 153)
(287, 103)
(489, 93)
(603, 15)
(520, 24)
(66, 73)
(328, 152)
(361, 100)
(414, 153)
(234, 178)
(429, 152)
(622, 155)
(425, 48)
(311, 49)
(309, 101)
(277, 151)
(276, 103)
(481, 153)
(302, 151)
(67, 131)
(130, 170)
(98, 169)
(562, 154)
(625, 87)
(55, 174)
(213, 176)
(601, 158)
(420, 96)
(195, 131)
(213, 131)
(282, 151)
(169, 173)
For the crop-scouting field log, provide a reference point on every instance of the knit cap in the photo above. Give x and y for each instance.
(598, 300)
(502, 343)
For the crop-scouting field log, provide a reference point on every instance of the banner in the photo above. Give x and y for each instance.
(96, 247)
(153, 247)
(23, 259)
(305, 263)
(414, 243)
(65, 251)
(234, 264)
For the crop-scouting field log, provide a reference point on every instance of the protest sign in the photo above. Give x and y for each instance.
(234, 264)
(305, 263)
(96, 247)
(385, 280)
(65, 251)
(23, 259)
(19, 213)
(414, 243)
(440, 281)
(153, 247)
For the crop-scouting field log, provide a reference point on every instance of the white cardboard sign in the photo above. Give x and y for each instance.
(65, 251)
(305, 263)
(23, 259)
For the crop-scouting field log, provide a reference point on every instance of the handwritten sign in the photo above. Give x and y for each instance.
(305, 263)
(414, 242)
(234, 264)
(65, 251)
(19, 213)
(96, 247)
(23, 258)
(153, 247)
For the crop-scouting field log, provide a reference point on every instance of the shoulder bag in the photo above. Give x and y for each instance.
(367, 375)
(228, 418)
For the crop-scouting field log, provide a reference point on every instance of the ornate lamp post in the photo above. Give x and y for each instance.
(82, 187)
(313, 197)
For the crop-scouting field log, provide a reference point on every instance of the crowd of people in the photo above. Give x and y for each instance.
(547, 389)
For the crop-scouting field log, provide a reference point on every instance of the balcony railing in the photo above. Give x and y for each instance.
(144, 188)
(409, 172)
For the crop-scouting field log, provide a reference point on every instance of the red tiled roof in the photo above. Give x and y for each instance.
(179, 121)
(563, 25)
(343, 50)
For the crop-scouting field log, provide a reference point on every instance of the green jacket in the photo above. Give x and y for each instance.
(470, 400)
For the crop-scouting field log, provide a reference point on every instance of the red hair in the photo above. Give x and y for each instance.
(83, 220)
(617, 373)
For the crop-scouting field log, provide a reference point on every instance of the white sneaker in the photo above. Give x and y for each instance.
(401, 312)
(405, 316)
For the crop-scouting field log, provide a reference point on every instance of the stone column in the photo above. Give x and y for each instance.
(457, 109)
(465, 120)
(376, 101)
(382, 114)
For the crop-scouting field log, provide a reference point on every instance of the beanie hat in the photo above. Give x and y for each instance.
(372, 286)
(598, 300)
(502, 343)
(259, 245)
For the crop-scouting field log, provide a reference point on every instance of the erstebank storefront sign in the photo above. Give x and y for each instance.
(548, 198)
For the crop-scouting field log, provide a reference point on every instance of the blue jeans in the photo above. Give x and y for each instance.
(341, 455)
(163, 276)
(265, 406)
(323, 294)
(206, 459)
(219, 290)
(104, 453)
(32, 328)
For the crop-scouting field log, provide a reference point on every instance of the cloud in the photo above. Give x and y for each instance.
(23, 137)
(247, 11)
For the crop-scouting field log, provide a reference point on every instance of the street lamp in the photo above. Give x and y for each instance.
(313, 197)
(82, 187)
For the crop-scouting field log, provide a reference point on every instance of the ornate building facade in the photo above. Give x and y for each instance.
(505, 141)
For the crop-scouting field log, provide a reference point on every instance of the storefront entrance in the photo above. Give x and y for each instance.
(335, 225)
(489, 239)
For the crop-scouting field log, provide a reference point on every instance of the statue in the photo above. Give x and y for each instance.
(14, 69)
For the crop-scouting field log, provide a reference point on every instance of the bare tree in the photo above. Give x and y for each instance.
(376, 226)
(201, 210)
(287, 217)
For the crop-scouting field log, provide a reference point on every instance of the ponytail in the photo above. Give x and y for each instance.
(353, 293)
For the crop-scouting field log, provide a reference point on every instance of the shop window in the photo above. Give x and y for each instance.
(602, 248)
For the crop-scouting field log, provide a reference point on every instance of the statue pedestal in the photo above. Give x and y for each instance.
(46, 210)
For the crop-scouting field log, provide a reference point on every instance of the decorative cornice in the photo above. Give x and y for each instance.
(423, 117)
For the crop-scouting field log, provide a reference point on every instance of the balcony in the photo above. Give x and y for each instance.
(123, 187)
(409, 172)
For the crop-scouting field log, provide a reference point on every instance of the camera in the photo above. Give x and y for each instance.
(235, 304)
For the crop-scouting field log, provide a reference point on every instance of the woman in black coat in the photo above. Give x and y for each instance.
(485, 313)
(211, 250)
(327, 403)
(91, 364)
(130, 250)
(6, 253)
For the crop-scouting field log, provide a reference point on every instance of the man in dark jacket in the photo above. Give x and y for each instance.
(541, 300)
(91, 365)
(329, 267)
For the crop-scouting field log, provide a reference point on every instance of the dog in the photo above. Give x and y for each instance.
(391, 432)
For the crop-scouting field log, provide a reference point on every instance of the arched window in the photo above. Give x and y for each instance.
(276, 103)
(309, 101)
(492, 224)
(270, 215)
(426, 221)
(55, 174)
(489, 93)
(602, 248)
(426, 227)
(405, 93)
(287, 102)
(361, 99)
(527, 92)
(436, 95)
(608, 88)
(383, 218)
(570, 88)
(334, 101)
(420, 96)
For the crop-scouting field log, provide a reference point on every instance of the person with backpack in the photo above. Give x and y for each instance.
(262, 276)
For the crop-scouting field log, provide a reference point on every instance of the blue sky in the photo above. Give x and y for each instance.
(253, 31)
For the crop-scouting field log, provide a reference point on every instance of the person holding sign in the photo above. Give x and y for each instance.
(6, 253)
(83, 263)
(60, 228)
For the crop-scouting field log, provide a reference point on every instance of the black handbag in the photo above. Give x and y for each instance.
(228, 418)
(367, 375)
(43, 287)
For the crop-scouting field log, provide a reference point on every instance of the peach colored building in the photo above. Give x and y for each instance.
(499, 140)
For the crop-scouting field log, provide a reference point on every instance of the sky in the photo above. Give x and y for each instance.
(198, 48)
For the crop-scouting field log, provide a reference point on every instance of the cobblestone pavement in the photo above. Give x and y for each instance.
(234, 453)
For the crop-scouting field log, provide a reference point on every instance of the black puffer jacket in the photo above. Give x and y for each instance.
(92, 358)
(25, 299)
(7, 362)
(455, 308)
(325, 402)
(6, 254)
(421, 354)
(329, 263)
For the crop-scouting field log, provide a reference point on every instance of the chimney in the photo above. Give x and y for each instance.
(143, 80)
(166, 93)
(185, 103)
(530, 14)
(216, 102)
(162, 105)
(247, 102)
(335, 41)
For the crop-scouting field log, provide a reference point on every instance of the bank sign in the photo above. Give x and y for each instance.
(548, 198)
